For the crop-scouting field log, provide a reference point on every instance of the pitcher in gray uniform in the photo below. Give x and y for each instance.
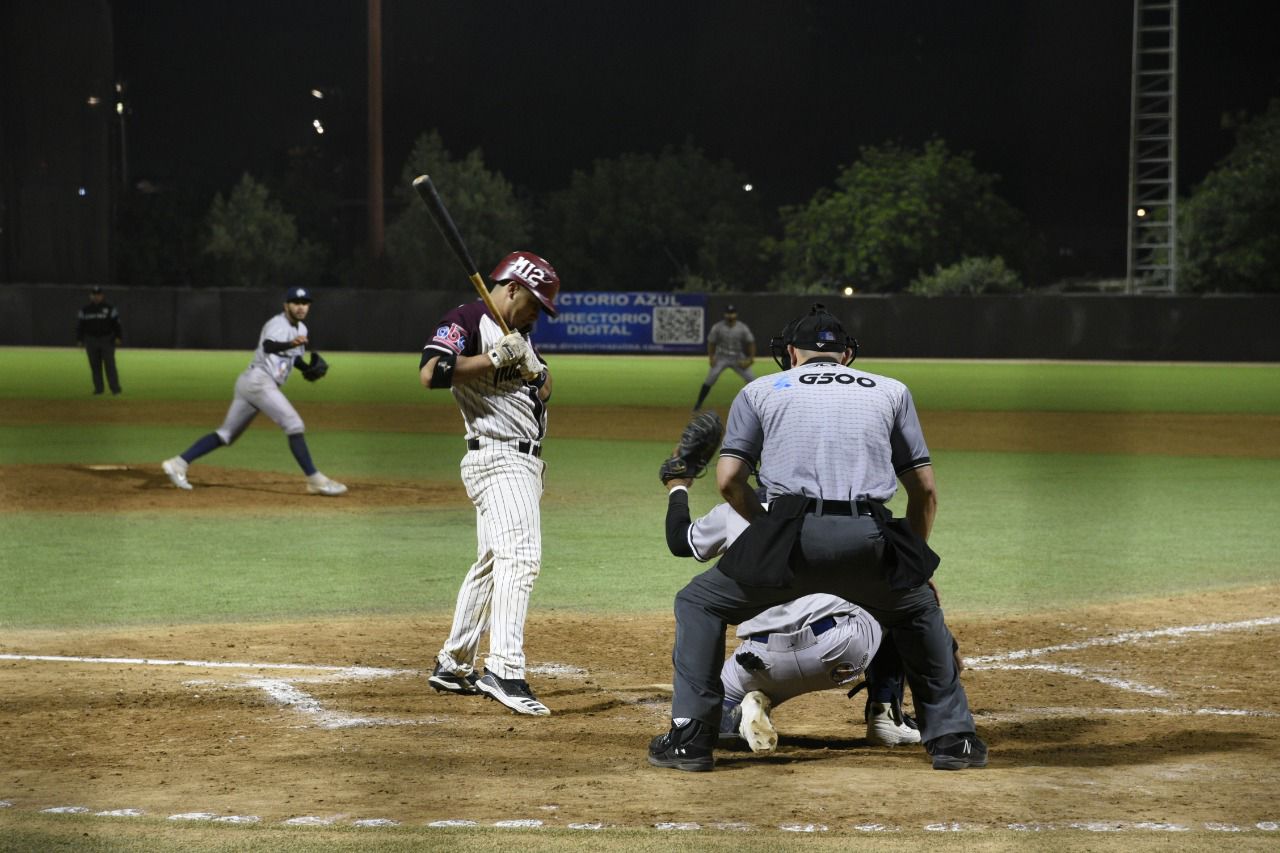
(831, 443)
(730, 346)
(281, 343)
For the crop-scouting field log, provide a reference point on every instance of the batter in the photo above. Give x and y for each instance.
(501, 387)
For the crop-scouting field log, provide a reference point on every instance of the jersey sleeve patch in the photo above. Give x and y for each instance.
(452, 337)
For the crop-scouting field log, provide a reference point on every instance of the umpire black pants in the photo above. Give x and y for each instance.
(840, 555)
(102, 356)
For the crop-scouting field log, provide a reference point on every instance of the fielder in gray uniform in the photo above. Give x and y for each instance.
(831, 443)
(817, 642)
(501, 387)
(730, 346)
(281, 344)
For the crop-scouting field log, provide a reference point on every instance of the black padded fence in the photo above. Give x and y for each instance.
(1127, 328)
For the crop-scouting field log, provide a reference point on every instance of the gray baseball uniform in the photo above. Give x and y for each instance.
(815, 642)
(257, 389)
(731, 344)
(502, 471)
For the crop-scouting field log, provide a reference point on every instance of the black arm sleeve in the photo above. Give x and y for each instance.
(678, 523)
(274, 347)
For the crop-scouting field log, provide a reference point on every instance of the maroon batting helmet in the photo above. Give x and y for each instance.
(534, 273)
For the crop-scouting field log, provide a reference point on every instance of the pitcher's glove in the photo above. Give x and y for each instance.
(314, 369)
(698, 443)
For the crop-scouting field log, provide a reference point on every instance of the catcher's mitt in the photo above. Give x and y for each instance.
(314, 369)
(698, 443)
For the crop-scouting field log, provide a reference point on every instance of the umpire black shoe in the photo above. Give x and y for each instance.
(512, 692)
(445, 681)
(957, 751)
(687, 747)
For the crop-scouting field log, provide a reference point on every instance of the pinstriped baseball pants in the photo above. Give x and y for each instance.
(506, 488)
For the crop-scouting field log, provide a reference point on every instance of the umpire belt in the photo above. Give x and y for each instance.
(822, 626)
(817, 506)
(522, 446)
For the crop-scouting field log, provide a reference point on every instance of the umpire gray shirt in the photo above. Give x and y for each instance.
(826, 431)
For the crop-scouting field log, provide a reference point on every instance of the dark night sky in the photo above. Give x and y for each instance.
(788, 91)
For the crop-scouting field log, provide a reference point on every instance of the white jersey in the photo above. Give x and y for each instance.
(500, 405)
(278, 365)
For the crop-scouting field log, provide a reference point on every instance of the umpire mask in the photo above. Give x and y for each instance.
(817, 331)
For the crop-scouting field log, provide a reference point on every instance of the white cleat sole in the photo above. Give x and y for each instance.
(756, 728)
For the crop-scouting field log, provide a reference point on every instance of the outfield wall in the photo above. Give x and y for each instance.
(1172, 328)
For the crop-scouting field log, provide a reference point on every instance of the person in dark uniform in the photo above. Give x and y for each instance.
(98, 330)
(831, 444)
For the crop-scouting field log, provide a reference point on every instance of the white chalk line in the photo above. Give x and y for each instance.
(1107, 826)
(281, 691)
(1001, 662)
(1126, 637)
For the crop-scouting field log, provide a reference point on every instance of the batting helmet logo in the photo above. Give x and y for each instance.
(533, 272)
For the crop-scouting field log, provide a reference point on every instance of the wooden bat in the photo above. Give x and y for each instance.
(449, 229)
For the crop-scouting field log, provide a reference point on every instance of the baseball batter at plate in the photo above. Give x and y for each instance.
(281, 346)
(501, 386)
(730, 346)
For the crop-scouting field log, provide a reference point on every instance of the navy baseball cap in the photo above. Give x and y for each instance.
(297, 294)
(819, 331)
(731, 309)
(95, 289)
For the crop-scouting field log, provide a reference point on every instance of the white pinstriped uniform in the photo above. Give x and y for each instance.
(502, 414)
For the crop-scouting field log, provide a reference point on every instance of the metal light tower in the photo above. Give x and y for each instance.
(1153, 150)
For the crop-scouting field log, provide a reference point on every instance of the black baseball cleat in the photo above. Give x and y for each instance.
(512, 692)
(687, 747)
(958, 751)
(446, 682)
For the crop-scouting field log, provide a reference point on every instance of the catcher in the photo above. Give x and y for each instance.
(281, 345)
(816, 642)
(730, 346)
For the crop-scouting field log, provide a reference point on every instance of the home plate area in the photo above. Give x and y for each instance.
(1100, 720)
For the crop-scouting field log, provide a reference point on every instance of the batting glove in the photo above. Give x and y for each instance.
(509, 350)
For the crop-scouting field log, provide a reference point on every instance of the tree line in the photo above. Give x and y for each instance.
(897, 219)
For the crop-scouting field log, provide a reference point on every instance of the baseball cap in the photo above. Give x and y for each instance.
(297, 294)
(95, 289)
(731, 309)
(819, 331)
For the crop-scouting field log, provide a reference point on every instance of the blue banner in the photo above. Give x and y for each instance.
(625, 322)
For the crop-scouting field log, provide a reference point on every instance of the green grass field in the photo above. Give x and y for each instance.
(1016, 530)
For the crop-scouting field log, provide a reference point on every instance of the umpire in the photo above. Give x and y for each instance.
(831, 444)
(98, 330)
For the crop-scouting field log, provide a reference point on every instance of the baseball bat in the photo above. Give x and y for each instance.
(449, 229)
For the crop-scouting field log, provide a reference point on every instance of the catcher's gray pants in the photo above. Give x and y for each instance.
(840, 556)
(720, 366)
(257, 392)
(802, 662)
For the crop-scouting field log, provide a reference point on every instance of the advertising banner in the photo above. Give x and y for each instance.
(625, 322)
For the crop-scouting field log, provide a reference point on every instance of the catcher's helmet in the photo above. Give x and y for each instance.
(534, 273)
(817, 331)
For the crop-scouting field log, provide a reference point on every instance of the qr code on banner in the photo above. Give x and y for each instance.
(676, 325)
